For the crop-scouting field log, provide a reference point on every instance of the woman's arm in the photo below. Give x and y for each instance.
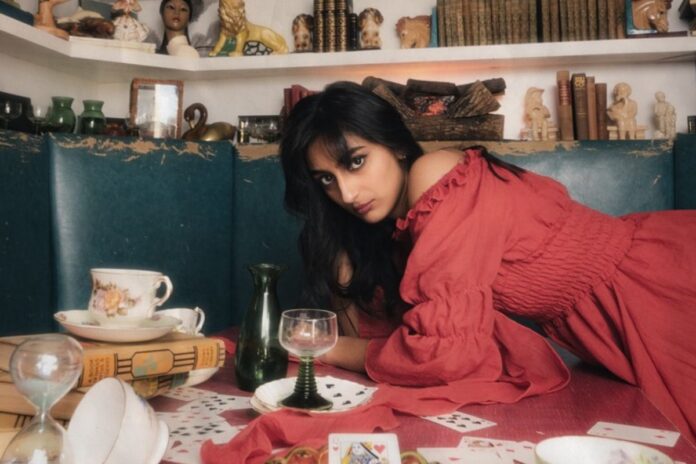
(349, 353)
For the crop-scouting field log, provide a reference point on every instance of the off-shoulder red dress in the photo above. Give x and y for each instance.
(620, 292)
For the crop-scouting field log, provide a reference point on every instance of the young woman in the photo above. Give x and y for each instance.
(438, 247)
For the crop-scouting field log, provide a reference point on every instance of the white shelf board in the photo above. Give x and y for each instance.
(108, 64)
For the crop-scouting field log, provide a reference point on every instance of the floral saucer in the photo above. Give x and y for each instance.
(80, 322)
(344, 394)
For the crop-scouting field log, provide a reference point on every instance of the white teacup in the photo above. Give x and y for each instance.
(126, 297)
(191, 319)
(113, 425)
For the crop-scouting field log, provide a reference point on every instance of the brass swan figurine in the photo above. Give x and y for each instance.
(203, 131)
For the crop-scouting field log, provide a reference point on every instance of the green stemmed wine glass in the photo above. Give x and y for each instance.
(307, 333)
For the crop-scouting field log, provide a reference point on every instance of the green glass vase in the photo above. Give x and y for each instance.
(92, 120)
(62, 117)
(259, 357)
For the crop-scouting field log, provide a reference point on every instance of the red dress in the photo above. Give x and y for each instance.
(620, 292)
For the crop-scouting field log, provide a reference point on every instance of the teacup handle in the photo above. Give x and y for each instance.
(201, 318)
(167, 290)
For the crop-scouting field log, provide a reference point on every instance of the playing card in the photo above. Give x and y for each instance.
(363, 448)
(187, 393)
(461, 455)
(215, 403)
(519, 452)
(460, 422)
(634, 433)
(343, 394)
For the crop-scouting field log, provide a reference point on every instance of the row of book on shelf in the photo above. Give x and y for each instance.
(152, 368)
(488, 22)
(582, 107)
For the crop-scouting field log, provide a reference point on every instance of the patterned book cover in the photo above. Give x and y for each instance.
(578, 82)
(564, 105)
(172, 354)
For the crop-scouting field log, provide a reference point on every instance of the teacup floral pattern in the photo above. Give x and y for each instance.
(112, 300)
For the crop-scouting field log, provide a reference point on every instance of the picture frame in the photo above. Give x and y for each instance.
(156, 107)
(258, 129)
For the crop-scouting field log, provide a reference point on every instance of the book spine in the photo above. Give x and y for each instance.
(563, 16)
(592, 108)
(611, 19)
(341, 18)
(533, 23)
(318, 26)
(592, 20)
(130, 362)
(554, 21)
(580, 117)
(602, 20)
(329, 26)
(601, 97)
(441, 38)
(621, 18)
(459, 21)
(564, 105)
(583, 18)
(484, 23)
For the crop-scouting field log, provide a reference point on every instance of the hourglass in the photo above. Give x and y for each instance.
(44, 368)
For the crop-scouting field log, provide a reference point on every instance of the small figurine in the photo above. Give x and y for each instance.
(303, 32)
(43, 19)
(369, 21)
(537, 115)
(126, 26)
(666, 118)
(623, 112)
(176, 15)
(414, 32)
(241, 37)
(199, 130)
(651, 14)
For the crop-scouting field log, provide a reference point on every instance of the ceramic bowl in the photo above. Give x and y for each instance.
(596, 450)
(113, 425)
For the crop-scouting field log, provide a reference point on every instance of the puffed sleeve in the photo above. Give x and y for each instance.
(460, 228)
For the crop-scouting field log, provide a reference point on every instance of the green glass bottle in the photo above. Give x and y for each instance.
(92, 120)
(259, 357)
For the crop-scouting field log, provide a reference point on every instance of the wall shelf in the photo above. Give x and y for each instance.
(107, 64)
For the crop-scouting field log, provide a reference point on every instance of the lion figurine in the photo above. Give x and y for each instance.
(241, 37)
(414, 32)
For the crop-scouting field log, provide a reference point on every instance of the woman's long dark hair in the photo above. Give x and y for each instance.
(345, 108)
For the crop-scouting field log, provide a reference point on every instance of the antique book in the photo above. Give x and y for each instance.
(524, 21)
(602, 20)
(564, 106)
(563, 17)
(532, 20)
(172, 354)
(459, 21)
(545, 20)
(582, 20)
(484, 12)
(601, 106)
(620, 19)
(441, 39)
(611, 19)
(494, 22)
(555, 21)
(592, 20)
(580, 116)
(591, 108)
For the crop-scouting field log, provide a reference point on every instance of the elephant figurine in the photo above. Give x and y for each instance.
(199, 130)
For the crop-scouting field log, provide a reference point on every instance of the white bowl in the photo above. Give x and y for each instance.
(113, 425)
(596, 450)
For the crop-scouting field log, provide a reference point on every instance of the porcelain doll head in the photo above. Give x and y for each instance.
(176, 16)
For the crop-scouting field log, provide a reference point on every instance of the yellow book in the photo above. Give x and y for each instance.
(174, 353)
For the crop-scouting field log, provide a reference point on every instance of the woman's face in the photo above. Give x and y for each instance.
(372, 187)
(176, 15)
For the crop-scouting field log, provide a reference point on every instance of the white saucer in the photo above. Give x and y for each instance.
(79, 322)
(344, 394)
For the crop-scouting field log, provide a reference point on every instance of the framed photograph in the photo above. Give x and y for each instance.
(258, 129)
(156, 107)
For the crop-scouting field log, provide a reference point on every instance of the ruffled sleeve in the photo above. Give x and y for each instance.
(452, 335)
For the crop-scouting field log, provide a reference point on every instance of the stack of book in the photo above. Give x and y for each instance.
(582, 107)
(291, 95)
(151, 367)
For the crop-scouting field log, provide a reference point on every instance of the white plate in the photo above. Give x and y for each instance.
(344, 394)
(79, 322)
(582, 449)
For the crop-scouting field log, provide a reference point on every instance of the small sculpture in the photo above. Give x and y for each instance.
(126, 26)
(623, 112)
(651, 14)
(303, 32)
(176, 16)
(43, 19)
(537, 115)
(369, 21)
(200, 131)
(414, 32)
(241, 37)
(666, 118)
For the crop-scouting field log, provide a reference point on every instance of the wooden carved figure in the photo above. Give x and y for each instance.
(651, 14)
(536, 114)
(369, 21)
(303, 32)
(623, 112)
(239, 37)
(44, 20)
(665, 117)
(414, 32)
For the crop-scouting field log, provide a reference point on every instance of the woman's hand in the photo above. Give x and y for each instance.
(349, 353)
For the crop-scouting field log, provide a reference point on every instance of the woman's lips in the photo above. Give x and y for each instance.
(364, 208)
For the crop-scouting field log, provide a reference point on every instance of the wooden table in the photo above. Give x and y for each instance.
(592, 395)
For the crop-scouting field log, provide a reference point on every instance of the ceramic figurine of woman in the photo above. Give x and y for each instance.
(665, 116)
(127, 27)
(176, 15)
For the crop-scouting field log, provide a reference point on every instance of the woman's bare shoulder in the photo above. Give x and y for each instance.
(428, 169)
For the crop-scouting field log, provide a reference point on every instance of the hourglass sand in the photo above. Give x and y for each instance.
(44, 368)
(307, 333)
